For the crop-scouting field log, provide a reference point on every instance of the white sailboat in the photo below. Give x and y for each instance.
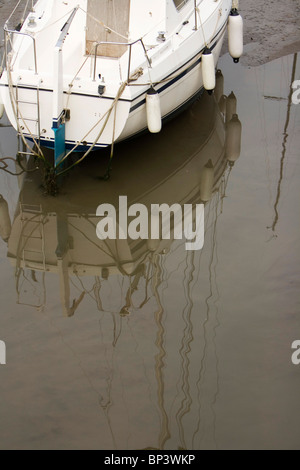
(82, 74)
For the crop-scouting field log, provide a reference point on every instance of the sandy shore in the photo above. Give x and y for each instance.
(272, 28)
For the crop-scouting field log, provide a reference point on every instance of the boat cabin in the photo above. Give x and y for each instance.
(115, 21)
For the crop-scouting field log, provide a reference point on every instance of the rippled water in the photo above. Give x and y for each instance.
(135, 346)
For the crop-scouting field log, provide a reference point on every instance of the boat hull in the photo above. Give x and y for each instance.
(95, 119)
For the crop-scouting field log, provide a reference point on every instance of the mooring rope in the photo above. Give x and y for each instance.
(107, 115)
(5, 166)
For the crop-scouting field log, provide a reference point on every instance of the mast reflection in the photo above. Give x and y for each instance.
(158, 347)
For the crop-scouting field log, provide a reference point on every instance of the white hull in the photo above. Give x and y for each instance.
(36, 88)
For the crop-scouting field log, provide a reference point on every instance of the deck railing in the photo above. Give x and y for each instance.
(8, 39)
(129, 45)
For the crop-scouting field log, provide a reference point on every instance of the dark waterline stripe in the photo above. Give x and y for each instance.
(181, 75)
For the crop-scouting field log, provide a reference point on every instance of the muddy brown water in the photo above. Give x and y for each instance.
(172, 348)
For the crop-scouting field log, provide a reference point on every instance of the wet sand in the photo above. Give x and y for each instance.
(271, 28)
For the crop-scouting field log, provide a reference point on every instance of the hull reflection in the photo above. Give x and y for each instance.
(158, 349)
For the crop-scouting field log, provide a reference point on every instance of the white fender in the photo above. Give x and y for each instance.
(19, 169)
(1, 107)
(219, 90)
(5, 223)
(233, 139)
(153, 243)
(235, 35)
(207, 182)
(222, 104)
(153, 111)
(231, 104)
(208, 70)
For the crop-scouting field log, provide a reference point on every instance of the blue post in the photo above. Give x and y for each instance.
(59, 129)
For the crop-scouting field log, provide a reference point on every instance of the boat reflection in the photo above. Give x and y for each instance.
(139, 280)
(185, 165)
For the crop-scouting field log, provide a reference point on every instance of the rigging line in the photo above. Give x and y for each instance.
(262, 128)
(24, 12)
(97, 294)
(186, 349)
(34, 287)
(202, 27)
(284, 142)
(2, 64)
(279, 107)
(215, 328)
(133, 287)
(164, 434)
(176, 269)
(171, 77)
(212, 286)
(19, 286)
(207, 228)
(201, 24)
(108, 379)
(107, 114)
(202, 369)
(5, 166)
(13, 12)
(109, 253)
(265, 134)
(85, 290)
(75, 76)
(58, 20)
(147, 281)
(292, 125)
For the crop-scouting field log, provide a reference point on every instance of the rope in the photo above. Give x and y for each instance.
(136, 74)
(2, 64)
(24, 12)
(5, 166)
(150, 83)
(58, 20)
(213, 34)
(75, 76)
(13, 12)
(107, 114)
